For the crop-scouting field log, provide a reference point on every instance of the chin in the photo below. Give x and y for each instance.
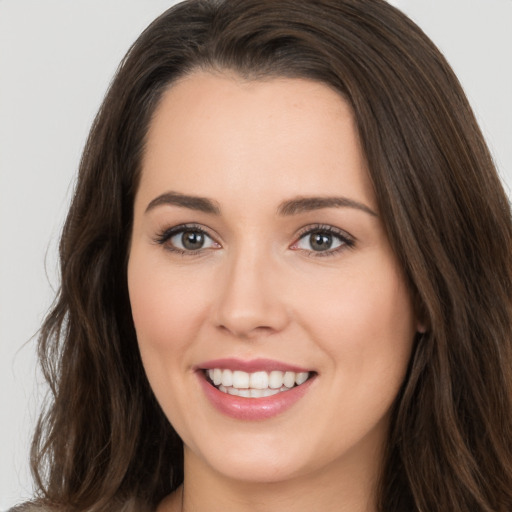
(255, 460)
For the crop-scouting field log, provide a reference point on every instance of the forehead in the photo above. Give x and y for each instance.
(212, 132)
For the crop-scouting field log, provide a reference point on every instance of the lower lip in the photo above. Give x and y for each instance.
(253, 409)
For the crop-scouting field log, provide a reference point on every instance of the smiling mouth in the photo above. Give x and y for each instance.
(256, 384)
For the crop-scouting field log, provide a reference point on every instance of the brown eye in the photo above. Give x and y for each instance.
(186, 239)
(320, 241)
(323, 240)
(192, 240)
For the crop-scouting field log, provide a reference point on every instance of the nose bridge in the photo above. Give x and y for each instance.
(248, 300)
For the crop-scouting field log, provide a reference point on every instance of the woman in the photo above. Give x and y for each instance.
(286, 276)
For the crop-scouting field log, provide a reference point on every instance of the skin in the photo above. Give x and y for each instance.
(257, 290)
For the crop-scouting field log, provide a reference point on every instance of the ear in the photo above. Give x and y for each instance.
(421, 327)
(422, 322)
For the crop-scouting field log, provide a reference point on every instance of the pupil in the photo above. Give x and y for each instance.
(192, 240)
(321, 242)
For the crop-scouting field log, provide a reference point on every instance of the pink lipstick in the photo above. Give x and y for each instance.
(253, 390)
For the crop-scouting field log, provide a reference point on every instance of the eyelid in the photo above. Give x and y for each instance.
(165, 235)
(348, 241)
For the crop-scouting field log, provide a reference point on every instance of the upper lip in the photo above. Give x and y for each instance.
(250, 366)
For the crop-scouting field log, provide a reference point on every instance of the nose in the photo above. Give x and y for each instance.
(250, 301)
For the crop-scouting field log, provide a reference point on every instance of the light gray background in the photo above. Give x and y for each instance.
(56, 60)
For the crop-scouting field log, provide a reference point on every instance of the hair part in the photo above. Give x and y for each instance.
(104, 443)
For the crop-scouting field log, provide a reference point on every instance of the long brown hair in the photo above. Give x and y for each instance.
(103, 444)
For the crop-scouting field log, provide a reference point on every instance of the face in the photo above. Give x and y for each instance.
(272, 317)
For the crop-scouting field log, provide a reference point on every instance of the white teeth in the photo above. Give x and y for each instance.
(253, 393)
(270, 392)
(257, 384)
(289, 379)
(240, 380)
(217, 376)
(259, 380)
(257, 393)
(227, 378)
(301, 378)
(275, 380)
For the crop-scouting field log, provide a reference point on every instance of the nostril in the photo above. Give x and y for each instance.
(246, 332)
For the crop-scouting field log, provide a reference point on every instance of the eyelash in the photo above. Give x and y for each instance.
(347, 241)
(164, 236)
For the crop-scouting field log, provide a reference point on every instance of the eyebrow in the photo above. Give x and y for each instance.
(306, 204)
(201, 204)
(287, 208)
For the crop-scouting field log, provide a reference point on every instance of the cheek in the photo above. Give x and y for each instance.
(166, 312)
(367, 324)
(167, 315)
